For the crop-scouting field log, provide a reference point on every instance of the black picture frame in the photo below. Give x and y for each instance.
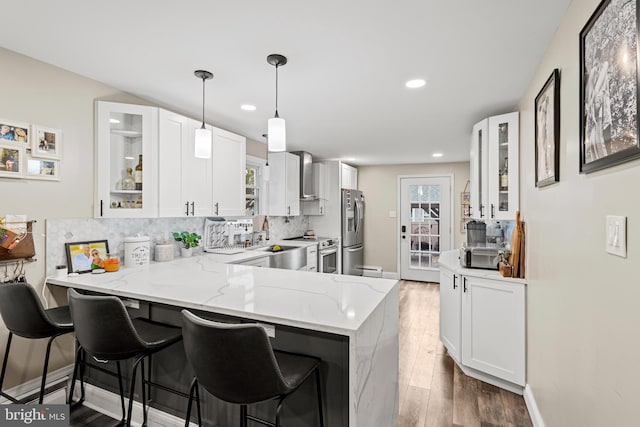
(547, 131)
(74, 249)
(609, 86)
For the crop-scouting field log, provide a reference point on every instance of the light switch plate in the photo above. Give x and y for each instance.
(616, 235)
(392, 214)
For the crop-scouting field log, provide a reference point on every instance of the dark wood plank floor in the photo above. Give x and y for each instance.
(433, 390)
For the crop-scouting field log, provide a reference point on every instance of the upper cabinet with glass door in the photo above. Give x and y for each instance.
(494, 168)
(126, 158)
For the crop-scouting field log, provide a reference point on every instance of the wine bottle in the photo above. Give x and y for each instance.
(138, 174)
(504, 176)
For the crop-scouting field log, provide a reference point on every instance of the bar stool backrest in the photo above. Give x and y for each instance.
(22, 312)
(103, 326)
(234, 362)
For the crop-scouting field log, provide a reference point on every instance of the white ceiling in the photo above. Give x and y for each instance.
(342, 92)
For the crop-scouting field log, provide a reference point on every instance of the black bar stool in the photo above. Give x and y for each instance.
(236, 363)
(105, 330)
(23, 314)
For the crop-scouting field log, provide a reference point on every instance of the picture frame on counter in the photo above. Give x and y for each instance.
(46, 142)
(547, 131)
(14, 132)
(609, 86)
(11, 161)
(47, 169)
(81, 256)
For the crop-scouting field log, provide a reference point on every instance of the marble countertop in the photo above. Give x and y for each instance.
(451, 261)
(324, 302)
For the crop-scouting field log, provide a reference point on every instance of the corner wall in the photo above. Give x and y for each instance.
(37, 93)
(582, 303)
(380, 187)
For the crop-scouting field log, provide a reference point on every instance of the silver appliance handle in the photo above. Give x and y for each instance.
(356, 213)
(353, 248)
(328, 251)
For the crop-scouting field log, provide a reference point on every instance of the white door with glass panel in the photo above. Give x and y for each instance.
(425, 226)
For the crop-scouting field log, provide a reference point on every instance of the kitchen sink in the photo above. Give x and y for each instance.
(288, 257)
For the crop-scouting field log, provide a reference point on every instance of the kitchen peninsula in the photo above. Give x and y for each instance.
(350, 322)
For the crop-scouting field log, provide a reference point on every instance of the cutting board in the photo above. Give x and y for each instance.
(517, 248)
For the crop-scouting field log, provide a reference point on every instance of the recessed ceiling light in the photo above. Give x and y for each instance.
(114, 121)
(350, 159)
(415, 83)
(437, 154)
(248, 107)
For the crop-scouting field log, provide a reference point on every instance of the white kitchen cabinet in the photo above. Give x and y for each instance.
(284, 185)
(450, 314)
(494, 153)
(312, 258)
(493, 328)
(349, 177)
(229, 163)
(317, 206)
(482, 325)
(185, 181)
(124, 134)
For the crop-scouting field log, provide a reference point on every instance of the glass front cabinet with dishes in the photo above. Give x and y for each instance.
(126, 158)
(494, 168)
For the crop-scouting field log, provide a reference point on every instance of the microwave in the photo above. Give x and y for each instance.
(481, 257)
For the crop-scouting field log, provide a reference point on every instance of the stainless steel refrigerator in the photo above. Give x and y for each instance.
(352, 232)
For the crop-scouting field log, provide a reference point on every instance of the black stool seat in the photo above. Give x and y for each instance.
(23, 315)
(236, 363)
(105, 330)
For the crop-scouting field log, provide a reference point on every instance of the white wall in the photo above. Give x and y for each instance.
(380, 187)
(37, 93)
(582, 311)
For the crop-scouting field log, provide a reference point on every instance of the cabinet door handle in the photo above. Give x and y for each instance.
(288, 210)
(454, 282)
(187, 205)
(464, 284)
(193, 204)
(217, 206)
(321, 213)
(493, 213)
(101, 208)
(481, 209)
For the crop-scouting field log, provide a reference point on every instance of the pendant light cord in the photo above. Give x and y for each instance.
(277, 91)
(203, 79)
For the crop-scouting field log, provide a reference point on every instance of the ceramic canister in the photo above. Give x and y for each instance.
(136, 251)
(164, 251)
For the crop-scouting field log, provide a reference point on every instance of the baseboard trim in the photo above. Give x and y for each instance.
(391, 275)
(108, 403)
(33, 386)
(532, 407)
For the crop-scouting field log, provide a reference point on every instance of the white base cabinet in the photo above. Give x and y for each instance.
(482, 325)
(312, 258)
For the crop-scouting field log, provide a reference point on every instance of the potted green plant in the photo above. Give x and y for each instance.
(188, 240)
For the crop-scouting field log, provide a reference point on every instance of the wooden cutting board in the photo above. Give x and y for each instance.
(515, 247)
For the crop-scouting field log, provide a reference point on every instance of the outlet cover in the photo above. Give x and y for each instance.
(616, 243)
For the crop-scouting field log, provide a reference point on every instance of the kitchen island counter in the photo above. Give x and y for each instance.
(365, 310)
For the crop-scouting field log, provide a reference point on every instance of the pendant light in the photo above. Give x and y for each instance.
(202, 146)
(277, 139)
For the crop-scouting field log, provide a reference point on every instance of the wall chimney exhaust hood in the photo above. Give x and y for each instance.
(307, 188)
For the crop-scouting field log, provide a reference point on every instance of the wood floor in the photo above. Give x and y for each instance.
(433, 390)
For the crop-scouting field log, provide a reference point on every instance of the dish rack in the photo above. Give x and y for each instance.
(227, 237)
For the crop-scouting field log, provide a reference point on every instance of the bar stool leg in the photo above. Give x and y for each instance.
(198, 404)
(243, 415)
(193, 391)
(144, 394)
(4, 365)
(132, 389)
(75, 376)
(124, 414)
(319, 391)
(44, 370)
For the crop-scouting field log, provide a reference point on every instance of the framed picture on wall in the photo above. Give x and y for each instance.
(14, 132)
(46, 142)
(547, 132)
(11, 161)
(609, 86)
(42, 169)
